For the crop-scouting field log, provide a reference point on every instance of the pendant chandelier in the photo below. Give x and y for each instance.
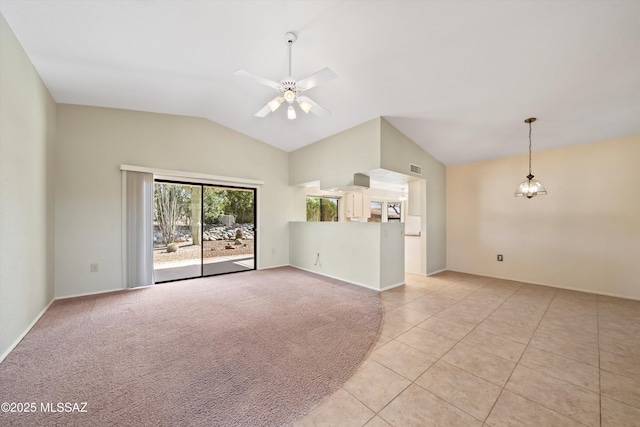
(530, 187)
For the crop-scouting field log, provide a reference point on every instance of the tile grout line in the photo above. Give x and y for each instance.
(520, 358)
(518, 362)
(527, 346)
(600, 369)
(377, 413)
(599, 364)
(555, 294)
(446, 352)
(460, 340)
(473, 329)
(437, 359)
(373, 348)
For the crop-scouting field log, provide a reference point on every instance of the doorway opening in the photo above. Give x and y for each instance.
(202, 230)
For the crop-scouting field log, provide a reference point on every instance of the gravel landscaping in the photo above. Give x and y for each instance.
(212, 249)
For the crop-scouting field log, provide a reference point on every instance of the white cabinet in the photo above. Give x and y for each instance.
(357, 205)
(366, 206)
(353, 207)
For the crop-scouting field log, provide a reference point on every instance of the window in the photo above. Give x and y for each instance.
(376, 212)
(393, 212)
(322, 209)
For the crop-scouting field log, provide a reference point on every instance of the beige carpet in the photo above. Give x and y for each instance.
(253, 349)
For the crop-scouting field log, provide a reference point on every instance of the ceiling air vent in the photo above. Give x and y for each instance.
(416, 169)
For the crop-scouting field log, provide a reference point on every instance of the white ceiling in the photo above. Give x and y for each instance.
(457, 77)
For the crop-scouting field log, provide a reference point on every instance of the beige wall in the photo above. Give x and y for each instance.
(338, 156)
(584, 235)
(91, 145)
(27, 131)
(397, 153)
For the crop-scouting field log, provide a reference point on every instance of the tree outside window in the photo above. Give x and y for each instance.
(322, 209)
(376, 212)
(394, 212)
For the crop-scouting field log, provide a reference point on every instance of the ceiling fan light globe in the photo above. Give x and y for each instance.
(291, 113)
(275, 103)
(305, 106)
(289, 96)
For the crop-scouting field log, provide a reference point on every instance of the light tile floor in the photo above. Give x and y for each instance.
(463, 350)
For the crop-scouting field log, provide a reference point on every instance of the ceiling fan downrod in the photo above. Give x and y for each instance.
(291, 39)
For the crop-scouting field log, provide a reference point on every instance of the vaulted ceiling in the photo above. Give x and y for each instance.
(457, 77)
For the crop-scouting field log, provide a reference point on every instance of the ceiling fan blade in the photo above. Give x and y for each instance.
(316, 108)
(258, 79)
(264, 111)
(315, 79)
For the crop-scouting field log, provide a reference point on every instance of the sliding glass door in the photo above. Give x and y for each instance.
(228, 230)
(176, 246)
(202, 230)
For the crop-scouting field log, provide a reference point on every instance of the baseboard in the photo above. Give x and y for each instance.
(436, 272)
(92, 293)
(17, 341)
(568, 288)
(274, 266)
(337, 278)
(395, 285)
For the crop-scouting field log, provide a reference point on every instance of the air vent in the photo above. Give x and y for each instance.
(416, 169)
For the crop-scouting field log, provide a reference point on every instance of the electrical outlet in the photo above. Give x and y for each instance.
(95, 267)
(500, 258)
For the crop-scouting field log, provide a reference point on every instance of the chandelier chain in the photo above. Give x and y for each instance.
(530, 148)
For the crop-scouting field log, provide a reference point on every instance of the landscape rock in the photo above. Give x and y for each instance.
(210, 233)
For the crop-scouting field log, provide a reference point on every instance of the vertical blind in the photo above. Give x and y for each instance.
(139, 228)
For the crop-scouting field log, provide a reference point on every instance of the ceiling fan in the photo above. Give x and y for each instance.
(290, 90)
